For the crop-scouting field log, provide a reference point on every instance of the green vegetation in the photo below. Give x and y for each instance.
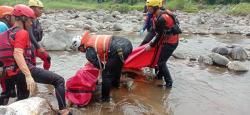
(239, 9)
(235, 7)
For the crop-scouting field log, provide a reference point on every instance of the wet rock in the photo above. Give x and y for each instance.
(178, 55)
(219, 59)
(206, 60)
(30, 106)
(237, 66)
(117, 27)
(58, 40)
(221, 50)
(238, 53)
(108, 18)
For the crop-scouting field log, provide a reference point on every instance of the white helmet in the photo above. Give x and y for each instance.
(75, 43)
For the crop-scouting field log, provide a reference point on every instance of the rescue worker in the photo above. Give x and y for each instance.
(18, 65)
(148, 24)
(167, 31)
(5, 15)
(106, 53)
(6, 21)
(36, 35)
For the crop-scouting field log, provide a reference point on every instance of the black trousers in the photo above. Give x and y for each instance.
(40, 76)
(166, 52)
(20, 83)
(48, 77)
(112, 72)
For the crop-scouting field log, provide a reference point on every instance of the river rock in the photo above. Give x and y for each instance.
(30, 106)
(196, 20)
(219, 59)
(108, 18)
(237, 66)
(101, 12)
(221, 50)
(206, 60)
(178, 55)
(86, 27)
(248, 34)
(238, 53)
(117, 27)
(58, 40)
(115, 13)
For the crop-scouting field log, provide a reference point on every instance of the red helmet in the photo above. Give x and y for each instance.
(23, 10)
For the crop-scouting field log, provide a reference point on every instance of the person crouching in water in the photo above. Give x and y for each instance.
(106, 53)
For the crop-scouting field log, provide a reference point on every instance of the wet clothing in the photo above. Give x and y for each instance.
(112, 69)
(168, 43)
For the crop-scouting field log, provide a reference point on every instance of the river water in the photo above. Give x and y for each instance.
(197, 90)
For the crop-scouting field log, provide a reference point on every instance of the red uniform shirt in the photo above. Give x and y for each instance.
(22, 39)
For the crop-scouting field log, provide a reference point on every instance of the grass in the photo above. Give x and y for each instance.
(184, 5)
(239, 9)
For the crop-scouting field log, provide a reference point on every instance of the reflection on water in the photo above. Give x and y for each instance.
(197, 89)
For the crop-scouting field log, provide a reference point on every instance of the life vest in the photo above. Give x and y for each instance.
(172, 29)
(99, 42)
(7, 40)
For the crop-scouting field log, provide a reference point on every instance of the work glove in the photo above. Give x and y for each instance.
(31, 85)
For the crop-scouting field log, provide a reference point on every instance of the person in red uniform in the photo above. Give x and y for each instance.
(167, 38)
(18, 65)
(36, 35)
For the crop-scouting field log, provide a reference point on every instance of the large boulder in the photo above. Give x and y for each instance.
(237, 66)
(238, 53)
(221, 50)
(219, 59)
(30, 106)
(58, 40)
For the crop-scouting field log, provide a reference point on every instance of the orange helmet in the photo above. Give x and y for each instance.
(5, 10)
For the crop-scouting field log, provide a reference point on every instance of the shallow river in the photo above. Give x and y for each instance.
(197, 89)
